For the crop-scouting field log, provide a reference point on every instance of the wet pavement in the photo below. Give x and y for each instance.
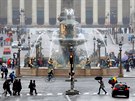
(53, 91)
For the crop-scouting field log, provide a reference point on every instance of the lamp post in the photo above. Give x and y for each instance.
(105, 40)
(116, 34)
(72, 91)
(22, 17)
(99, 46)
(107, 22)
(29, 45)
(120, 67)
(19, 50)
(94, 40)
(133, 42)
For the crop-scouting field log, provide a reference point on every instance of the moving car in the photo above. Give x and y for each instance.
(7, 50)
(120, 89)
(14, 44)
(24, 46)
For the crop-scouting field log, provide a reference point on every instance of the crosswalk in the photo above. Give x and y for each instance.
(53, 94)
(61, 94)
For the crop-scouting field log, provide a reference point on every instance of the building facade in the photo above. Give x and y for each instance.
(46, 12)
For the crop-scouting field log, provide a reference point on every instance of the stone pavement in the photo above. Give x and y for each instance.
(129, 74)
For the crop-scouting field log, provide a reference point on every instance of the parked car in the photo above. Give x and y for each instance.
(120, 89)
(24, 46)
(14, 44)
(7, 50)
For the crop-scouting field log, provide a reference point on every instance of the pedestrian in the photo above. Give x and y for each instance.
(2, 72)
(6, 87)
(15, 86)
(31, 87)
(34, 86)
(102, 86)
(12, 76)
(12, 64)
(5, 70)
(19, 88)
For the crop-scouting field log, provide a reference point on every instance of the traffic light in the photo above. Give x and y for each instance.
(71, 58)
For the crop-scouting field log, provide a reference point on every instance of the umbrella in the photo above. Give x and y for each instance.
(125, 57)
(112, 80)
(8, 39)
(98, 78)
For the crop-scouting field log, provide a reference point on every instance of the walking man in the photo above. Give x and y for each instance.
(34, 86)
(31, 87)
(102, 86)
(19, 87)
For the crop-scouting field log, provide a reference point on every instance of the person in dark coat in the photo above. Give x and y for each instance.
(19, 86)
(15, 86)
(5, 71)
(31, 87)
(2, 72)
(6, 86)
(34, 86)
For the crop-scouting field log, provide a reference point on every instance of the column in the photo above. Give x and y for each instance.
(46, 12)
(58, 10)
(9, 12)
(95, 12)
(34, 12)
(22, 14)
(107, 12)
(119, 12)
(83, 12)
(132, 8)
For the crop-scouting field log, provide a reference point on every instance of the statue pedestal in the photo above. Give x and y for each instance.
(72, 92)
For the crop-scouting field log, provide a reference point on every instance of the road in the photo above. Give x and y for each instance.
(53, 91)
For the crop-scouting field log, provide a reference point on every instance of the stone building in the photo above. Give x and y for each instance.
(46, 12)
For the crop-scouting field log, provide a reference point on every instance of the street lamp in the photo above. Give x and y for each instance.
(22, 17)
(94, 40)
(19, 50)
(120, 67)
(29, 45)
(99, 46)
(133, 42)
(107, 22)
(105, 40)
(116, 34)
